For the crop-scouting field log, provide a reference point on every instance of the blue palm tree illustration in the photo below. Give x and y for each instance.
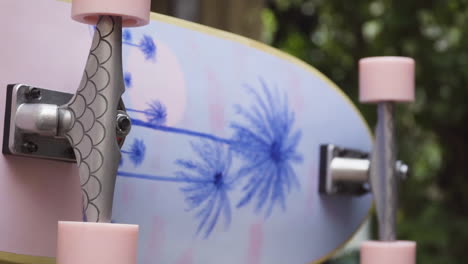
(267, 144)
(137, 152)
(207, 184)
(264, 140)
(128, 79)
(127, 35)
(146, 44)
(148, 47)
(181, 131)
(156, 114)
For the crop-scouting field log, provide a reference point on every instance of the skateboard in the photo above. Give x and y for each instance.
(223, 160)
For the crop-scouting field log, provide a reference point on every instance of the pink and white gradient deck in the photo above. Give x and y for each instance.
(206, 86)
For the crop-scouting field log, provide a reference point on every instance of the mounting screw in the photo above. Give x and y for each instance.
(402, 170)
(30, 147)
(33, 93)
(124, 124)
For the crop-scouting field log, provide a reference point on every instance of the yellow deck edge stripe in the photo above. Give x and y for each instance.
(12, 258)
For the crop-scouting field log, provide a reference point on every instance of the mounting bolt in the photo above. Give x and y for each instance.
(124, 124)
(30, 147)
(402, 170)
(33, 93)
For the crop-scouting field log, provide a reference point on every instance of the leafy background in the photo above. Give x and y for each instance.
(333, 35)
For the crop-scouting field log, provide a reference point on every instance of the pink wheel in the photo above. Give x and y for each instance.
(397, 252)
(386, 79)
(134, 12)
(79, 243)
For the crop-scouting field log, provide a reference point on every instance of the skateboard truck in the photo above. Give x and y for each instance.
(90, 126)
(346, 171)
(386, 80)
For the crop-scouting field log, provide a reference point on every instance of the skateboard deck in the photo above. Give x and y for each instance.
(222, 162)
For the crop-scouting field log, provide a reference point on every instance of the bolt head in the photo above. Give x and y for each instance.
(30, 147)
(33, 93)
(124, 124)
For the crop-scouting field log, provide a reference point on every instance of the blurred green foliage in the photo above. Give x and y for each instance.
(333, 35)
